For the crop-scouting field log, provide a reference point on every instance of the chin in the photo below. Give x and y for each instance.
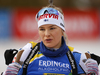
(49, 45)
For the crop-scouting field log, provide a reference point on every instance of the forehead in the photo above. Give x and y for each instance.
(48, 25)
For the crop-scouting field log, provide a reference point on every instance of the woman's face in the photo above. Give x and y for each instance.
(51, 35)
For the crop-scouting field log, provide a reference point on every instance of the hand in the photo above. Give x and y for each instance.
(92, 67)
(13, 69)
(9, 55)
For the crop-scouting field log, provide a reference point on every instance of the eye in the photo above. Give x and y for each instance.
(52, 28)
(41, 29)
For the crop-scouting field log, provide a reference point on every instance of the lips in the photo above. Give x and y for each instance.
(48, 40)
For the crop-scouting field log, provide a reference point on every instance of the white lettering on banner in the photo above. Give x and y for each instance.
(53, 64)
(48, 16)
(29, 25)
(79, 24)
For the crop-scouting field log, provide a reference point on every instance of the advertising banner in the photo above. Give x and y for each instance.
(82, 24)
(78, 24)
(25, 26)
(5, 23)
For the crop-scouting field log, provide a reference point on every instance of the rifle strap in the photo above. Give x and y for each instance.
(31, 54)
(72, 62)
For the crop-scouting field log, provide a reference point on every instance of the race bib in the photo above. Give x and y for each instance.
(52, 74)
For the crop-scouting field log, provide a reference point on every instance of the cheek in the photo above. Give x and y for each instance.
(58, 34)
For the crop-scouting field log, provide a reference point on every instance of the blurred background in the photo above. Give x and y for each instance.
(18, 25)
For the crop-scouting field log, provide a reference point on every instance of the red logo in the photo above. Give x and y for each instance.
(48, 16)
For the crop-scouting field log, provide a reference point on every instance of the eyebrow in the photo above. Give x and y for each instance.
(53, 26)
(49, 26)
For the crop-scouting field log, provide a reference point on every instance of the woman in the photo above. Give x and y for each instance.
(52, 57)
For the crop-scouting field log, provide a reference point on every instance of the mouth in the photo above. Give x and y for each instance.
(48, 40)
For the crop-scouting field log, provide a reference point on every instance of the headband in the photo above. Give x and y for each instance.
(50, 16)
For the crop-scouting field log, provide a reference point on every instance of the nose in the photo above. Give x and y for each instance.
(47, 33)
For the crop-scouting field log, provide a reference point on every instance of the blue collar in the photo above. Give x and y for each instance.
(59, 52)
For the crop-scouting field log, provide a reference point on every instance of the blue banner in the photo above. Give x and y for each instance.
(5, 23)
